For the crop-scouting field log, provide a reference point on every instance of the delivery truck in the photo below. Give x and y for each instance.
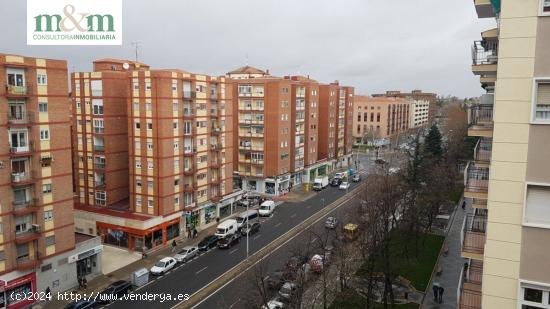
(320, 183)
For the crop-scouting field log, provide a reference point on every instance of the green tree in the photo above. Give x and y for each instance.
(432, 144)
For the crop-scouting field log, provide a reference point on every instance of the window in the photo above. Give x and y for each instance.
(537, 206)
(176, 145)
(138, 163)
(541, 108)
(534, 296)
(175, 107)
(175, 124)
(149, 126)
(150, 203)
(138, 183)
(138, 202)
(44, 135)
(97, 107)
(43, 107)
(50, 240)
(42, 79)
(176, 200)
(148, 106)
(148, 86)
(97, 88)
(48, 215)
(176, 163)
(138, 125)
(176, 182)
(149, 146)
(47, 188)
(136, 106)
(150, 165)
(137, 145)
(150, 184)
(545, 7)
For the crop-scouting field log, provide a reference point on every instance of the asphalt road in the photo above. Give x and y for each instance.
(192, 276)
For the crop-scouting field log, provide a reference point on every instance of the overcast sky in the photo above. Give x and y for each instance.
(373, 45)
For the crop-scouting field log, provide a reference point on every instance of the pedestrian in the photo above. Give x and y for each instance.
(79, 278)
(174, 244)
(48, 291)
(188, 233)
(84, 282)
(464, 205)
(440, 292)
(435, 289)
(195, 233)
(217, 220)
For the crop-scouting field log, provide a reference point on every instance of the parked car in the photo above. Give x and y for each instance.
(113, 291)
(287, 290)
(267, 208)
(356, 178)
(335, 182)
(251, 228)
(228, 241)
(186, 254)
(208, 242)
(227, 227)
(81, 304)
(246, 217)
(331, 223)
(163, 266)
(344, 185)
(340, 175)
(273, 304)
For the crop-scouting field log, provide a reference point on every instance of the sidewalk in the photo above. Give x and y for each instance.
(450, 264)
(100, 282)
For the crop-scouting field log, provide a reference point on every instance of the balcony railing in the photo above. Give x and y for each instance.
(189, 94)
(31, 234)
(481, 115)
(17, 90)
(469, 287)
(25, 207)
(23, 177)
(19, 118)
(99, 148)
(482, 151)
(22, 148)
(484, 52)
(476, 179)
(474, 233)
(25, 263)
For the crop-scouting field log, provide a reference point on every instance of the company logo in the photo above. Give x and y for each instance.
(74, 22)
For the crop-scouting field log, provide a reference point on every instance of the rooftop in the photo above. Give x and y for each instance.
(248, 70)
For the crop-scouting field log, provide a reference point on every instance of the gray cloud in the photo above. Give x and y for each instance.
(374, 45)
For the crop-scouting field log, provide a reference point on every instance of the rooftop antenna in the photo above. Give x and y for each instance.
(136, 45)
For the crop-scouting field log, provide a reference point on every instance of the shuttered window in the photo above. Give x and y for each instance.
(537, 208)
(542, 105)
(546, 6)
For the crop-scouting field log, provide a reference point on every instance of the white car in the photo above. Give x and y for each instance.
(273, 304)
(344, 185)
(163, 266)
(186, 254)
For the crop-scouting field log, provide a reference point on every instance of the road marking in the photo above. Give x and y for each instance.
(276, 225)
(341, 203)
(293, 215)
(314, 240)
(233, 304)
(201, 270)
(256, 237)
(233, 251)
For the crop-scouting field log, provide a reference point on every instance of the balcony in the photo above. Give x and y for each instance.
(99, 148)
(32, 234)
(189, 94)
(19, 118)
(486, 8)
(469, 287)
(21, 208)
(189, 152)
(215, 130)
(485, 57)
(480, 120)
(482, 152)
(26, 263)
(479, 203)
(17, 91)
(473, 235)
(476, 181)
(22, 178)
(189, 188)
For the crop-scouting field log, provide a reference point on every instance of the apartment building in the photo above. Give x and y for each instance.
(377, 118)
(335, 124)
(36, 202)
(415, 96)
(419, 113)
(157, 152)
(504, 237)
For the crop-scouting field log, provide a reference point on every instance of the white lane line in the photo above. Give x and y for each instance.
(233, 304)
(202, 269)
(276, 225)
(314, 240)
(233, 251)
(256, 237)
(293, 215)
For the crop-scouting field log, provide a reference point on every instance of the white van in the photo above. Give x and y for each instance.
(227, 227)
(267, 208)
(246, 217)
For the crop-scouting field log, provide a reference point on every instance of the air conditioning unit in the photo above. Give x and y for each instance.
(35, 228)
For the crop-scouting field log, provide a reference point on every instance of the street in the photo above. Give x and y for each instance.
(194, 275)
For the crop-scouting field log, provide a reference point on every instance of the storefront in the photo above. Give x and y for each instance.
(209, 214)
(136, 239)
(13, 292)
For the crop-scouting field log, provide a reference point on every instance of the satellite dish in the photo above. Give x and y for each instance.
(125, 65)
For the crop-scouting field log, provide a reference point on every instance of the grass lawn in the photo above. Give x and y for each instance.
(417, 270)
(350, 300)
(456, 193)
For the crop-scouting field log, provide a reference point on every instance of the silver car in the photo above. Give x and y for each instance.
(186, 254)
